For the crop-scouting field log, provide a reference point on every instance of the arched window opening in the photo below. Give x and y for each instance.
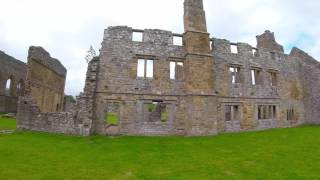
(20, 88)
(8, 87)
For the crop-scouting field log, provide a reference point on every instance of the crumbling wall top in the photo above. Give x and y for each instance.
(148, 36)
(4, 56)
(41, 56)
(267, 41)
(303, 56)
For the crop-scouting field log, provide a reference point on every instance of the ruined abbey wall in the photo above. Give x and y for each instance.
(77, 120)
(14, 71)
(45, 80)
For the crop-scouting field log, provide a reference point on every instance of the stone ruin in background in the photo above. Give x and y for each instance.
(146, 83)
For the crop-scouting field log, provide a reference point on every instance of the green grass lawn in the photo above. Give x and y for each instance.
(7, 123)
(273, 154)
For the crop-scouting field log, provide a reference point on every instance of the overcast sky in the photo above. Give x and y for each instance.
(67, 28)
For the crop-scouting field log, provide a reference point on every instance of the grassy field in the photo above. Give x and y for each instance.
(7, 123)
(273, 154)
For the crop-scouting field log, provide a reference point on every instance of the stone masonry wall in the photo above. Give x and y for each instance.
(14, 70)
(221, 89)
(76, 121)
(45, 80)
(309, 71)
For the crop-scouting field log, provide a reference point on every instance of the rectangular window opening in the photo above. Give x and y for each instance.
(156, 111)
(141, 68)
(176, 70)
(234, 49)
(232, 113)
(291, 114)
(255, 52)
(137, 36)
(235, 75)
(256, 78)
(273, 78)
(178, 41)
(149, 69)
(112, 113)
(145, 68)
(267, 112)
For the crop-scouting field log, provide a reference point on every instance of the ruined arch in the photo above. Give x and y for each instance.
(10, 86)
(20, 87)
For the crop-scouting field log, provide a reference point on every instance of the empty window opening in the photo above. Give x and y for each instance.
(112, 113)
(137, 36)
(255, 52)
(273, 78)
(291, 114)
(235, 75)
(20, 88)
(57, 107)
(234, 48)
(211, 44)
(177, 40)
(176, 70)
(8, 87)
(156, 112)
(256, 78)
(232, 113)
(145, 68)
(267, 112)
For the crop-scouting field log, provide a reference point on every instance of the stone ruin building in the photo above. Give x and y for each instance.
(46, 80)
(144, 83)
(12, 80)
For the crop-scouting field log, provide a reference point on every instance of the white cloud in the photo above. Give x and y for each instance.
(67, 28)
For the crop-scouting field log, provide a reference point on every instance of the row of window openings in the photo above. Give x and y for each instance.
(232, 112)
(234, 50)
(8, 87)
(153, 111)
(145, 69)
(138, 37)
(160, 111)
(256, 76)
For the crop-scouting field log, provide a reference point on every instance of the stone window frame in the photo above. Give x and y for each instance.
(234, 48)
(211, 44)
(149, 101)
(273, 82)
(137, 31)
(292, 114)
(176, 60)
(11, 91)
(255, 52)
(240, 111)
(105, 105)
(274, 114)
(238, 80)
(260, 78)
(138, 57)
(175, 38)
